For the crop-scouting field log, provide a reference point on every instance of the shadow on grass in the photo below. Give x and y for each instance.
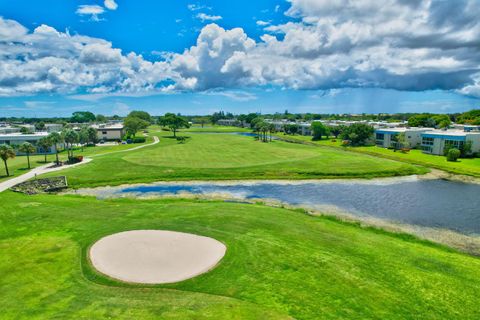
(180, 139)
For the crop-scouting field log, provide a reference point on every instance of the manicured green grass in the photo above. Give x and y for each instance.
(228, 156)
(279, 264)
(18, 165)
(469, 166)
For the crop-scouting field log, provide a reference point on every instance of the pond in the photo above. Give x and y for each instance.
(410, 200)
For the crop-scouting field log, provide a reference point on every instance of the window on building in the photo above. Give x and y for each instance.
(454, 144)
(380, 136)
(427, 141)
(104, 132)
(427, 148)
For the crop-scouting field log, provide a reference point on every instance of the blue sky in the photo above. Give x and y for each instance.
(111, 57)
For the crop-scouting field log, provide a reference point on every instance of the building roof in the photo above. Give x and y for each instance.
(17, 135)
(452, 133)
(403, 129)
(108, 126)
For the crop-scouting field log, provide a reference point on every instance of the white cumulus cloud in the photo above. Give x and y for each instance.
(47, 60)
(396, 44)
(262, 23)
(94, 11)
(206, 17)
(110, 4)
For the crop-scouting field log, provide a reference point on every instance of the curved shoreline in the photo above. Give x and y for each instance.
(464, 241)
(468, 243)
(433, 175)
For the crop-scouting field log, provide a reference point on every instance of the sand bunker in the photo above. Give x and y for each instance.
(155, 256)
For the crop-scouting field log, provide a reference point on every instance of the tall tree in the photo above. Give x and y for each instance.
(400, 141)
(83, 137)
(141, 115)
(6, 152)
(319, 130)
(173, 122)
(357, 133)
(92, 135)
(45, 144)
(56, 138)
(133, 125)
(40, 126)
(336, 130)
(25, 130)
(82, 117)
(203, 120)
(290, 128)
(28, 149)
(100, 118)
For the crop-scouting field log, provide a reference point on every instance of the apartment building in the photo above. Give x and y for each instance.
(387, 137)
(435, 141)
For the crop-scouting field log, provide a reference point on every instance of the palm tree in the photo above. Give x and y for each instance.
(56, 139)
(262, 127)
(27, 148)
(70, 137)
(265, 128)
(45, 144)
(83, 137)
(271, 129)
(6, 152)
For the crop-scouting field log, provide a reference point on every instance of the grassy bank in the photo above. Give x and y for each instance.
(279, 264)
(230, 157)
(469, 167)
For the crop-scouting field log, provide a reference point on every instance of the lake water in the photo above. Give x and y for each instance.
(426, 203)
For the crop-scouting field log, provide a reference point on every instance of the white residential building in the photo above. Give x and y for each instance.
(8, 129)
(231, 122)
(435, 141)
(387, 137)
(53, 127)
(466, 127)
(304, 128)
(14, 139)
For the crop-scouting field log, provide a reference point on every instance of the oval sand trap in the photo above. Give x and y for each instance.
(155, 256)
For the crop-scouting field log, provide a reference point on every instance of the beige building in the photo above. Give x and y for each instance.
(110, 132)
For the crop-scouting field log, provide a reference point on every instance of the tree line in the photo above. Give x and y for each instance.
(414, 119)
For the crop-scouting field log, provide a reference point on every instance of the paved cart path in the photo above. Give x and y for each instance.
(47, 168)
(50, 167)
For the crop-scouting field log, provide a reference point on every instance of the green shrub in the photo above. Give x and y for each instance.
(138, 140)
(453, 154)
